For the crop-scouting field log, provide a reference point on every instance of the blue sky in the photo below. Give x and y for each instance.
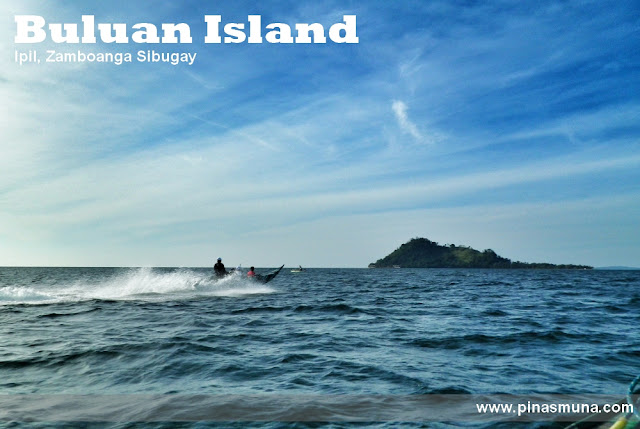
(513, 126)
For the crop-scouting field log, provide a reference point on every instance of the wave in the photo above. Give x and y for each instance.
(145, 284)
(330, 308)
(19, 295)
(454, 342)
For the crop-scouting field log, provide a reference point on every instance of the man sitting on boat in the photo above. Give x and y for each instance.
(251, 272)
(219, 269)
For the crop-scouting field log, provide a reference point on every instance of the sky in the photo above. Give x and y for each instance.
(512, 126)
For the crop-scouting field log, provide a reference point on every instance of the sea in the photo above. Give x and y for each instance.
(336, 348)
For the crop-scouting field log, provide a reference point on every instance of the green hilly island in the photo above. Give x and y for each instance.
(423, 253)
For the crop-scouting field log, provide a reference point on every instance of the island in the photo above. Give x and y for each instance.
(424, 253)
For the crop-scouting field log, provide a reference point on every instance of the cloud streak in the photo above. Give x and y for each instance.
(400, 109)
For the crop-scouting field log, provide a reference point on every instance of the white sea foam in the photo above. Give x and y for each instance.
(18, 294)
(138, 284)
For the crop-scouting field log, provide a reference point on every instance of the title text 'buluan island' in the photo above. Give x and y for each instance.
(34, 29)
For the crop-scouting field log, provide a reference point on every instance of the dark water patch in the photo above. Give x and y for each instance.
(522, 322)
(13, 309)
(297, 358)
(485, 353)
(447, 390)
(495, 284)
(434, 343)
(331, 309)
(301, 381)
(567, 295)
(109, 302)
(494, 313)
(265, 309)
(625, 279)
(633, 301)
(552, 337)
(237, 372)
(358, 372)
(615, 309)
(630, 352)
(519, 338)
(58, 315)
(54, 360)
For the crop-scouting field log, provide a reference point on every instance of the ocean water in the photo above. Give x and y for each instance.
(131, 342)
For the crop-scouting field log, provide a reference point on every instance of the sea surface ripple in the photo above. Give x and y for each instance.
(159, 331)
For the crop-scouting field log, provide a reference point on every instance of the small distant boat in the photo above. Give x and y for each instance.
(298, 270)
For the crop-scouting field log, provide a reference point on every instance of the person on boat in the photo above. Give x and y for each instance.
(251, 272)
(219, 268)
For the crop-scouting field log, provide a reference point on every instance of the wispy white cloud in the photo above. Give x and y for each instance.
(400, 109)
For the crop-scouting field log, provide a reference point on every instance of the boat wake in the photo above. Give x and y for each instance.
(147, 284)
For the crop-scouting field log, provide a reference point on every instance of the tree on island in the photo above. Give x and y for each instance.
(424, 253)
